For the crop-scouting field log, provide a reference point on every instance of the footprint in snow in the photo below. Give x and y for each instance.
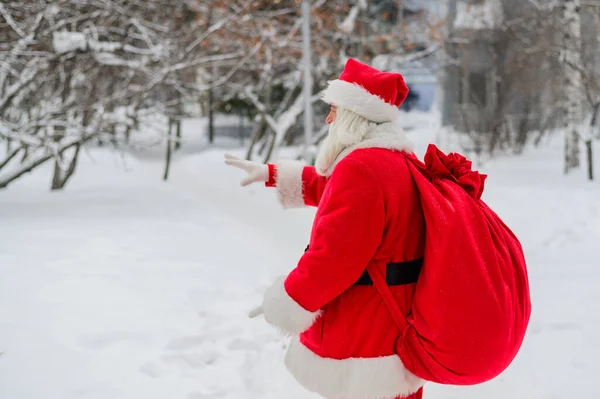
(186, 343)
(192, 360)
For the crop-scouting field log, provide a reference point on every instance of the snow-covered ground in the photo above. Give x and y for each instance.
(126, 287)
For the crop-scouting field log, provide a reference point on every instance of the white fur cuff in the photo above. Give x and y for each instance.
(281, 311)
(355, 378)
(288, 180)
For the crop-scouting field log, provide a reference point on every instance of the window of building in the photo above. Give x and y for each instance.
(472, 88)
(477, 89)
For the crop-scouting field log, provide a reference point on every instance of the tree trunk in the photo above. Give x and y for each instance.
(273, 138)
(590, 159)
(178, 135)
(257, 133)
(59, 181)
(241, 129)
(594, 123)
(26, 169)
(211, 122)
(573, 84)
(168, 157)
(72, 165)
(260, 130)
(211, 117)
(56, 178)
(589, 142)
(266, 141)
(25, 154)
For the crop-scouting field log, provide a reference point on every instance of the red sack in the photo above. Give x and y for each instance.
(472, 305)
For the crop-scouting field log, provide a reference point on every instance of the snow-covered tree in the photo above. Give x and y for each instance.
(75, 72)
(541, 62)
(590, 24)
(573, 82)
(270, 82)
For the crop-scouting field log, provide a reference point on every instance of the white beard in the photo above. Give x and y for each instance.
(351, 131)
(328, 152)
(348, 129)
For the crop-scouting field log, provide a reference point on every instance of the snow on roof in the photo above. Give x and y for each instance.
(485, 15)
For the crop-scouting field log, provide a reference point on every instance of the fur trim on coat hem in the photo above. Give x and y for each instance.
(354, 378)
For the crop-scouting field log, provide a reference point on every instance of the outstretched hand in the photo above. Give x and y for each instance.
(254, 313)
(256, 172)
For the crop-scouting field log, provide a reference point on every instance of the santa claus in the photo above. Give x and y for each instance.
(369, 216)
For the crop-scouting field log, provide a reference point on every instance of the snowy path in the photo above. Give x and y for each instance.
(140, 291)
(123, 287)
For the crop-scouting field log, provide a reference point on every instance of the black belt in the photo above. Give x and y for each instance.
(399, 273)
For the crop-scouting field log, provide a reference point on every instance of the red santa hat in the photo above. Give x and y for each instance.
(368, 92)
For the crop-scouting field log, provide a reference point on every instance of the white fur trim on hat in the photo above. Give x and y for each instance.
(359, 100)
(288, 180)
(354, 378)
(281, 311)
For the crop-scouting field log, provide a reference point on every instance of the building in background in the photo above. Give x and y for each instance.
(503, 79)
(470, 89)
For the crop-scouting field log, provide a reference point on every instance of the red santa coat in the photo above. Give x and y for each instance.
(368, 212)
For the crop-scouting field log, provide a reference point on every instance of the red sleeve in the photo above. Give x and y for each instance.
(297, 185)
(346, 234)
(313, 186)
